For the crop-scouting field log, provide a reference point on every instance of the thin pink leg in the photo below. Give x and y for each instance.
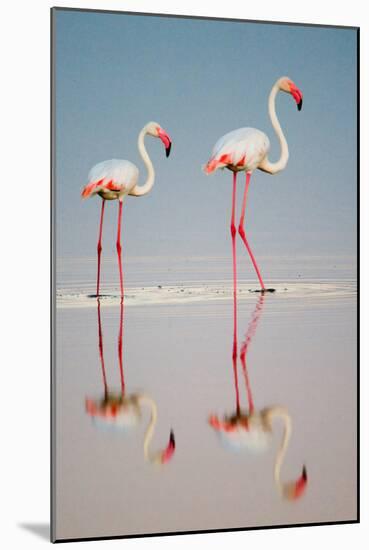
(101, 350)
(120, 347)
(242, 233)
(119, 248)
(233, 234)
(99, 247)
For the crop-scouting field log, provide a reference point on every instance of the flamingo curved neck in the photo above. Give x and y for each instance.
(266, 165)
(140, 190)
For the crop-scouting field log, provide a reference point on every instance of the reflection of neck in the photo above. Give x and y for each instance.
(270, 415)
(146, 400)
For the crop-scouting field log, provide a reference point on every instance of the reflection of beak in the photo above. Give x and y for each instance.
(166, 140)
(301, 483)
(169, 451)
(295, 490)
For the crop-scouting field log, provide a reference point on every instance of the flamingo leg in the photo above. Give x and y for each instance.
(101, 350)
(242, 233)
(119, 248)
(99, 247)
(233, 234)
(120, 346)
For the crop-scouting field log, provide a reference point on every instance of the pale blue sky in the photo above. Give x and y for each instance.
(200, 79)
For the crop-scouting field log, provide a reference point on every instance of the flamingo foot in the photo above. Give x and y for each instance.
(264, 290)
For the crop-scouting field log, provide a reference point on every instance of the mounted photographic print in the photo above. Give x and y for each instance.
(204, 274)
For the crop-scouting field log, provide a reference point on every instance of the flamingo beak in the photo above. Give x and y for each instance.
(162, 134)
(297, 95)
(169, 451)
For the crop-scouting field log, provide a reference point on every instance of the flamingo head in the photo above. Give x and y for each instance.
(295, 489)
(286, 85)
(154, 129)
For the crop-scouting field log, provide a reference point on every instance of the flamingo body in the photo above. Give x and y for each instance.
(246, 149)
(241, 149)
(111, 179)
(114, 179)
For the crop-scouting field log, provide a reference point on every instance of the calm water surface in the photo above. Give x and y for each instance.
(300, 354)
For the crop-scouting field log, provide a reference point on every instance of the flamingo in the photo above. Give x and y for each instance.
(253, 429)
(120, 411)
(246, 149)
(114, 179)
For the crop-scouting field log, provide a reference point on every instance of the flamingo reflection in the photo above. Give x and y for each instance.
(251, 429)
(120, 411)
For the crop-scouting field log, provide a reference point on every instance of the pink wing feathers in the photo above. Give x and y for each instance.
(243, 148)
(111, 175)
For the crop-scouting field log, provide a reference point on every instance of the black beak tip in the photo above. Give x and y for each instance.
(299, 105)
(304, 473)
(172, 441)
(167, 150)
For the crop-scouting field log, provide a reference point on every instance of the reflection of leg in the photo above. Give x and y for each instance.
(234, 360)
(242, 233)
(119, 248)
(120, 346)
(244, 348)
(101, 349)
(247, 382)
(233, 234)
(99, 247)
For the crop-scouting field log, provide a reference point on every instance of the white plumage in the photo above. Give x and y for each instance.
(245, 147)
(114, 177)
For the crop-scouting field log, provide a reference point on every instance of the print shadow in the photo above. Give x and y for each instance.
(42, 530)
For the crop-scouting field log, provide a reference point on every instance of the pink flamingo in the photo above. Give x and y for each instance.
(246, 149)
(120, 411)
(252, 429)
(114, 179)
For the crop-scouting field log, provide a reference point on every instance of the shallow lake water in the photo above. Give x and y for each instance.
(299, 347)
